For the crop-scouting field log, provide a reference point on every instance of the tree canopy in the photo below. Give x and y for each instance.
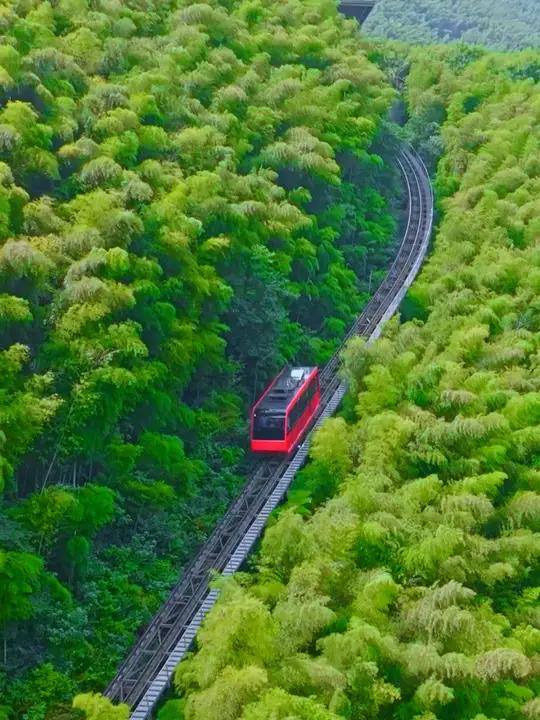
(412, 592)
(493, 23)
(191, 194)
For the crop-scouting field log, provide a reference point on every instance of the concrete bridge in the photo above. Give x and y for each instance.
(358, 9)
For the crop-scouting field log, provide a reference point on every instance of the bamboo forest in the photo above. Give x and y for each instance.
(194, 196)
(492, 23)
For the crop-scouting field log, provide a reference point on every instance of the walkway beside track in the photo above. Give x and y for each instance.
(148, 669)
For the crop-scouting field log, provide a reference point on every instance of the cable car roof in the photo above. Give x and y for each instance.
(283, 389)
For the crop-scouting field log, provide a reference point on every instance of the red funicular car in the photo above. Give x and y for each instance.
(281, 416)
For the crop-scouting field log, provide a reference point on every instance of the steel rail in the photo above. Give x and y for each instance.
(146, 672)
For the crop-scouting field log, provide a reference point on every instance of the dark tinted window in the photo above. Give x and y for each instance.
(296, 412)
(268, 427)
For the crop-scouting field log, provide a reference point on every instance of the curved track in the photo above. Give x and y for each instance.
(148, 669)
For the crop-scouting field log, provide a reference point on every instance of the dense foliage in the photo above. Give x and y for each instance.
(189, 197)
(414, 591)
(495, 23)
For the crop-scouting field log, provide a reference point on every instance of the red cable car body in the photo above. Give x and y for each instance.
(281, 416)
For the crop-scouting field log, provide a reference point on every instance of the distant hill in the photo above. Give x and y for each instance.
(495, 23)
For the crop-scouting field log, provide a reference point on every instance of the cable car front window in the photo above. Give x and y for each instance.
(268, 427)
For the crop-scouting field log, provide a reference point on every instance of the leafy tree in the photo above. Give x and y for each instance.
(20, 574)
(97, 707)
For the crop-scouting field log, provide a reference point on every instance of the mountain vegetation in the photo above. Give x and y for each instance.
(413, 591)
(191, 194)
(493, 23)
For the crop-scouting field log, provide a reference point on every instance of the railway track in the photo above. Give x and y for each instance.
(147, 671)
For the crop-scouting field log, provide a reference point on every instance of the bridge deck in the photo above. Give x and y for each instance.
(359, 9)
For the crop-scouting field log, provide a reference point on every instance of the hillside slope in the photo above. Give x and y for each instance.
(189, 198)
(493, 23)
(413, 592)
